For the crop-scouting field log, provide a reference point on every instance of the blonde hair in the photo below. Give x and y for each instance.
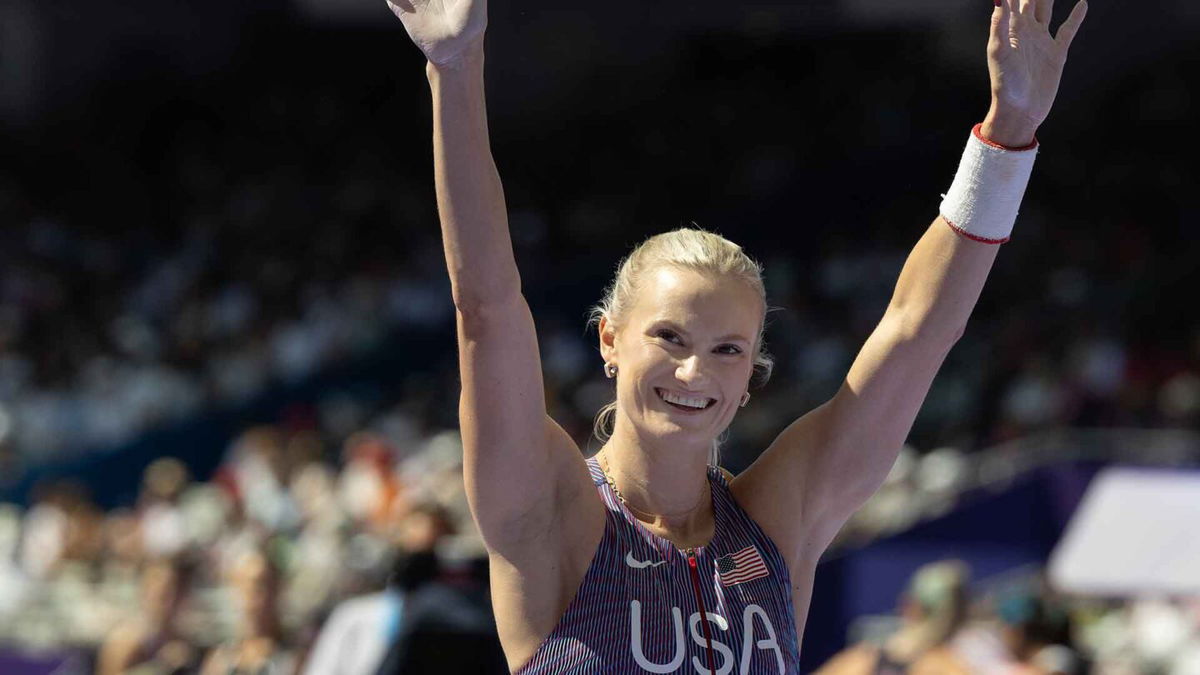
(691, 249)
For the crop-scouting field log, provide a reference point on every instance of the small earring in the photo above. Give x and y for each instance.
(745, 400)
(610, 370)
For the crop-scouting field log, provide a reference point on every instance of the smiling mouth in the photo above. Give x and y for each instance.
(684, 403)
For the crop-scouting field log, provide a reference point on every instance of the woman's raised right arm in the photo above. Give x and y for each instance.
(483, 273)
(519, 466)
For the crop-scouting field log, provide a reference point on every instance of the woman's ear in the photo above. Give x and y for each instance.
(608, 340)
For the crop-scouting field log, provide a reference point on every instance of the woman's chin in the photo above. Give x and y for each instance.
(676, 426)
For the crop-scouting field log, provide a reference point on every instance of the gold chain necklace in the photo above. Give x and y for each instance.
(612, 484)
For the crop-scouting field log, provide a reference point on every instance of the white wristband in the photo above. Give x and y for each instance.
(983, 200)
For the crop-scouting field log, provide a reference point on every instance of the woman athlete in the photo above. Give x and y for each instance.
(645, 558)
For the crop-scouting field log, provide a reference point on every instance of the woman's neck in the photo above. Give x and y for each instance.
(665, 487)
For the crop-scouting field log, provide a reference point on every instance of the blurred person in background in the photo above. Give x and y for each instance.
(152, 642)
(163, 527)
(259, 646)
(1037, 632)
(363, 631)
(123, 550)
(254, 479)
(63, 525)
(578, 545)
(932, 610)
(446, 623)
(369, 486)
(1026, 632)
(319, 573)
(259, 470)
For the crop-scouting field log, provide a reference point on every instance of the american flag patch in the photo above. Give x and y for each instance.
(738, 568)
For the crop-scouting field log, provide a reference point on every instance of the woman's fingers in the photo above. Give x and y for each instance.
(403, 6)
(1027, 8)
(1045, 10)
(1066, 32)
(1000, 18)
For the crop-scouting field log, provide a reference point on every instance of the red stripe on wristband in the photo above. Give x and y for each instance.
(978, 131)
(974, 237)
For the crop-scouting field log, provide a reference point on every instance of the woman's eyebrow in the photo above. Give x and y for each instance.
(676, 327)
(660, 322)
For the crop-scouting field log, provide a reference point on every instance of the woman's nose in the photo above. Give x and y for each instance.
(690, 370)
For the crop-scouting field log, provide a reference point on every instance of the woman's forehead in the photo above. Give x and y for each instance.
(725, 304)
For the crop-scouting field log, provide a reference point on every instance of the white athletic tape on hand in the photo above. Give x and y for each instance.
(983, 200)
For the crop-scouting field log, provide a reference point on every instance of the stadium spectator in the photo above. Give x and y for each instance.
(152, 640)
(362, 630)
(259, 644)
(932, 610)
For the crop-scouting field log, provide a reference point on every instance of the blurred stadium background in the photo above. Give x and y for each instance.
(226, 346)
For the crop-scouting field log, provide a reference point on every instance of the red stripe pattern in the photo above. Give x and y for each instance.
(738, 568)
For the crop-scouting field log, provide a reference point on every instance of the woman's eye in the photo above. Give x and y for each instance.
(730, 349)
(668, 335)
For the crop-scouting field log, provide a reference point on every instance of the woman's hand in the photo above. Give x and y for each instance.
(1026, 64)
(443, 29)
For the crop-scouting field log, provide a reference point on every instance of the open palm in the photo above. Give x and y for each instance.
(1024, 60)
(442, 29)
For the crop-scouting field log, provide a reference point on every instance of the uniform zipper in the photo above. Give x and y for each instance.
(691, 556)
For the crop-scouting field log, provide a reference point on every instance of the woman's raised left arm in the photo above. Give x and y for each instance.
(822, 467)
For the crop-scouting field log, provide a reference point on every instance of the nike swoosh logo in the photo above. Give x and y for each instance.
(639, 564)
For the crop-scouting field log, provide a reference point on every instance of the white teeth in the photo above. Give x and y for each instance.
(683, 400)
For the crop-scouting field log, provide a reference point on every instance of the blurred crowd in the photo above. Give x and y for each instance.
(322, 554)
(239, 573)
(103, 337)
(1019, 625)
